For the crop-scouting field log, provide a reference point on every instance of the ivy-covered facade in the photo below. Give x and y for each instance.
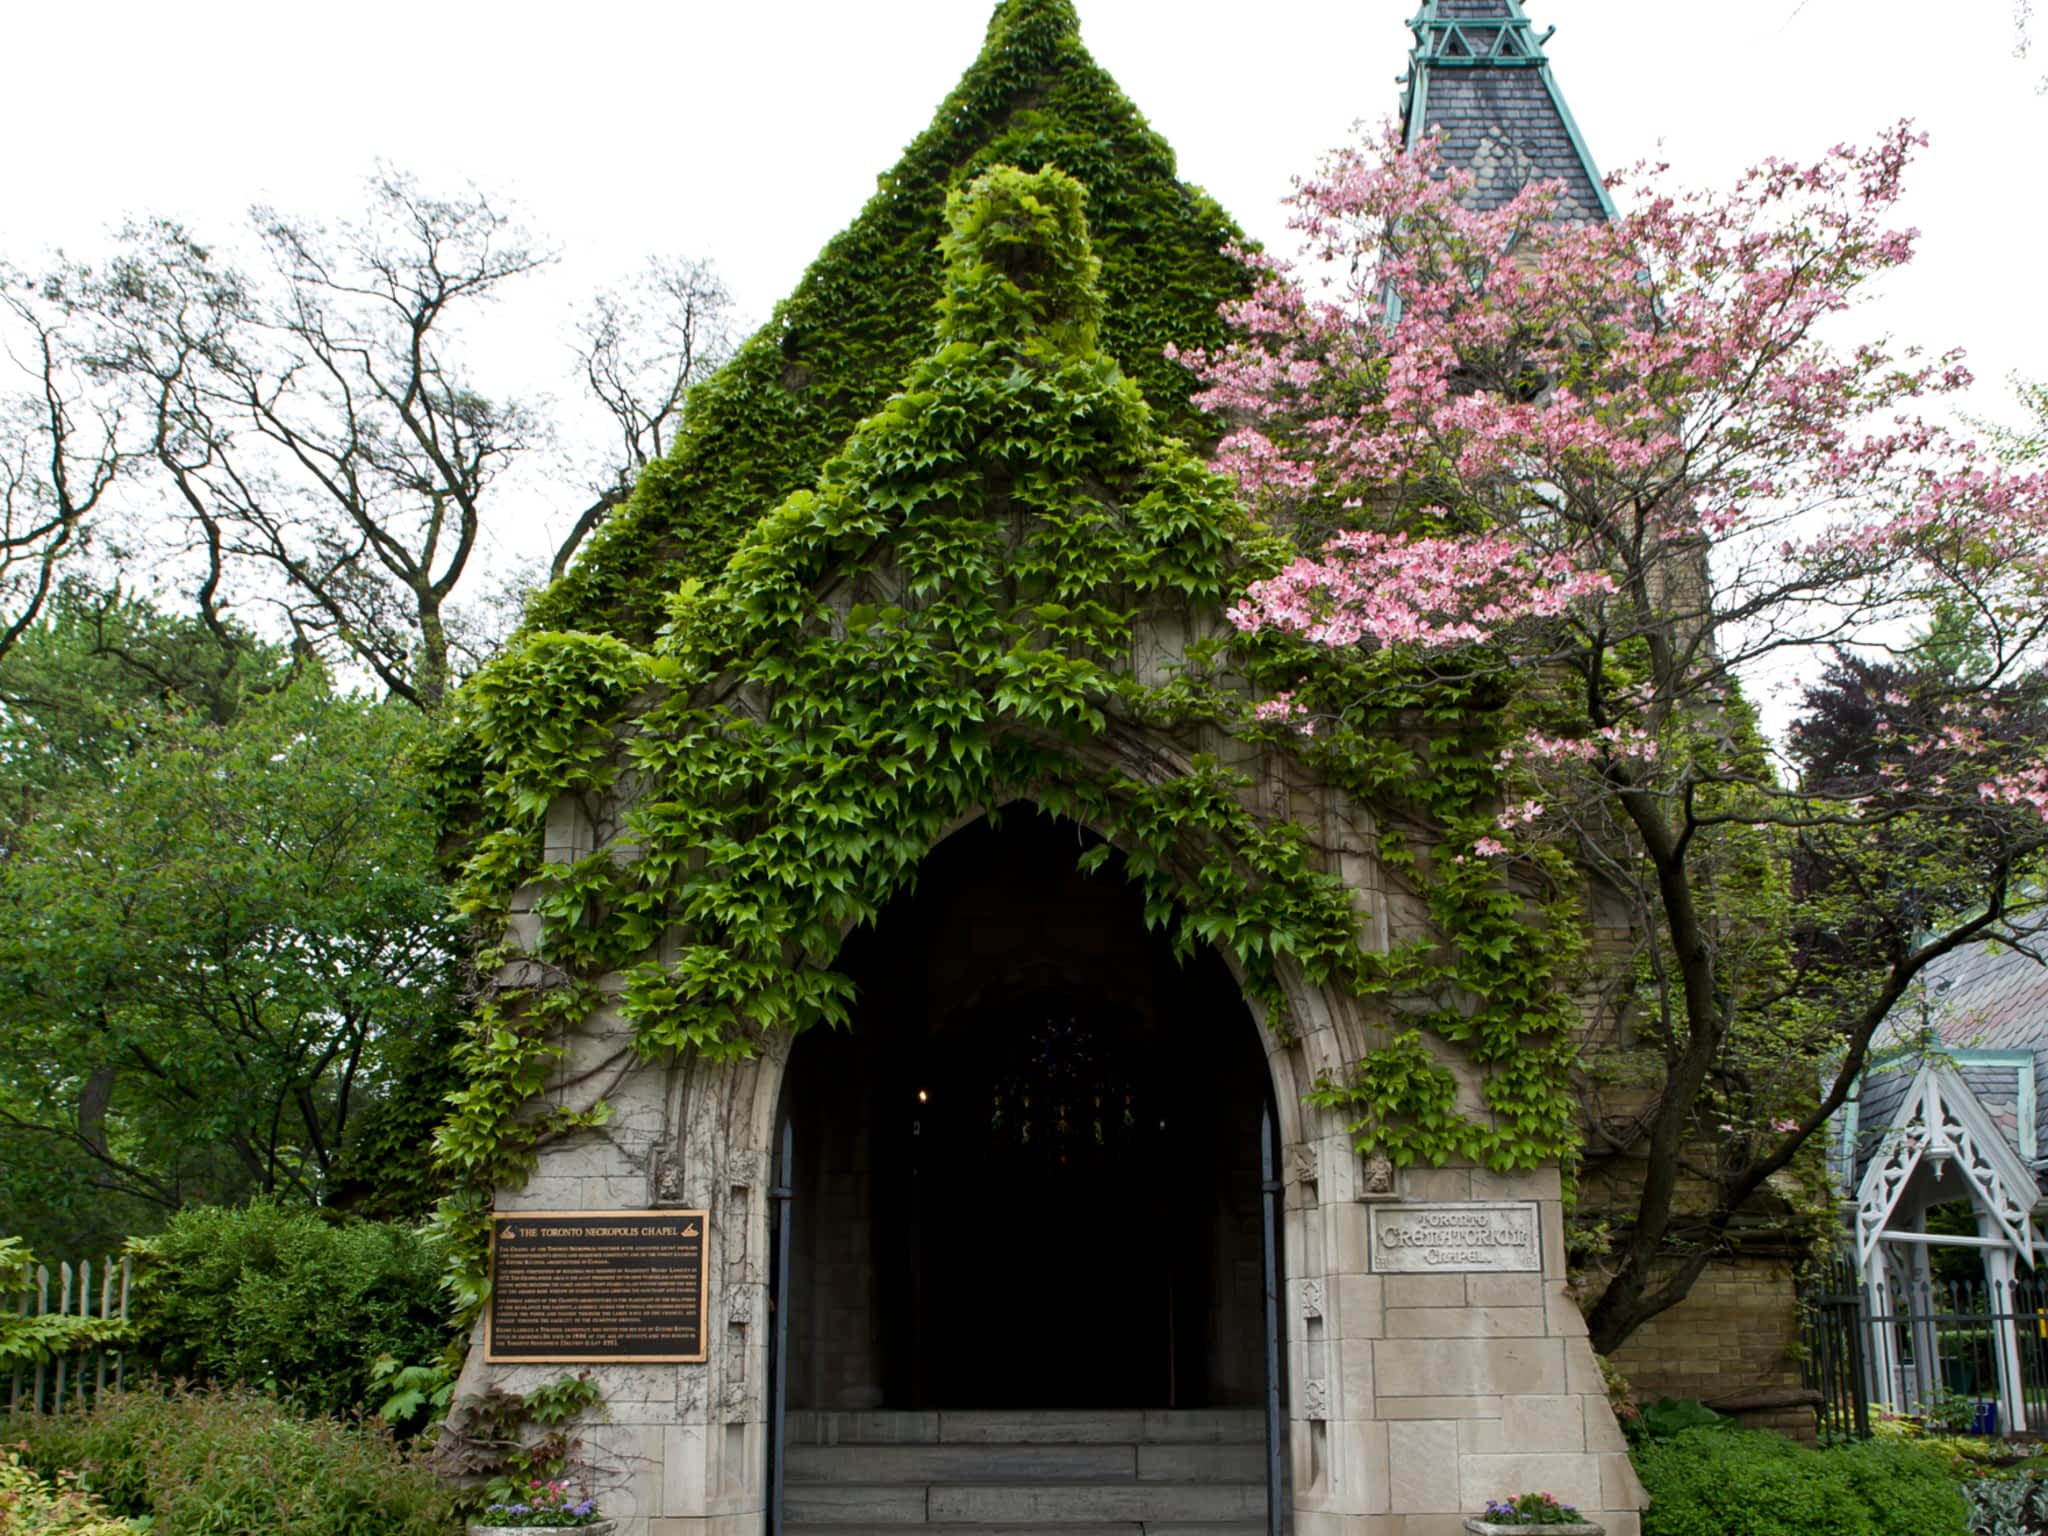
(889, 772)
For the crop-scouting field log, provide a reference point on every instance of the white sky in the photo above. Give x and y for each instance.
(749, 134)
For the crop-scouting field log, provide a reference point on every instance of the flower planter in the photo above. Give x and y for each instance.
(1479, 1527)
(600, 1528)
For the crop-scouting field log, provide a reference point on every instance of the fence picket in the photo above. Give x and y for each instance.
(121, 1355)
(42, 1306)
(14, 1385)
(75, 1377)
(63, 1310)
(99, 1383)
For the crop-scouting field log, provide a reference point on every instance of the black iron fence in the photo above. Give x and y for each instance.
(1831, 1305)
(1965, 1355)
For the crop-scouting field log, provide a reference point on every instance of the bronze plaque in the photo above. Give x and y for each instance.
(584, 1287)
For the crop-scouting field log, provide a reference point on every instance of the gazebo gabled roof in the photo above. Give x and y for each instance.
(1940, 1118)
(1479, 80)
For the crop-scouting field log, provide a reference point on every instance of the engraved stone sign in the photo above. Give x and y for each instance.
(584, 1287)
(1453, 1236)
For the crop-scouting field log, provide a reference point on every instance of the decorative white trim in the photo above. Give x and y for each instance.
(1941, 1119)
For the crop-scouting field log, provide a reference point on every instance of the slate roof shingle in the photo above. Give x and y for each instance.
(1983, 997)
(1487, 92)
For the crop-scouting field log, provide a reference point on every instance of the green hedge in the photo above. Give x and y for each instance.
(231, 1461)
(290, 1302)
(1718, 1482)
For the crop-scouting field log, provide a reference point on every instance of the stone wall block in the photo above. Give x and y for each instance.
(1426, 1291)
(1602, 1432)
(542, 1192)
(1423, 1525)
(1620, 1488)
(1480, 1437)
(1346, 1225)
(616, 1192)
(1555, 1265)
(1467, 1322)
(1436, 1183)
(1582, 1369)
(1393, 1408)
(686, 1471)
(1472, 1367)
(1352, 1371)
(1505, 1290)
(1363, 1465)
(1422, 1460)
(1562, 1315)
(1529, 1184)
(625, 1468)
(1540, 1423)
(1360, 1311)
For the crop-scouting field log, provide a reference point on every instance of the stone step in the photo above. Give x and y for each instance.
(986, 1505)
(1044, 1462)
(1093, 1503)
(965, 1463)
(838, 1504)
(1135, 1426)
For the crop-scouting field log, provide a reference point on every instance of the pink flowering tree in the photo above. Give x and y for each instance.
(1621, 481)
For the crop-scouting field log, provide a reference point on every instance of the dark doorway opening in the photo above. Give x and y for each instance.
(1028, 1176)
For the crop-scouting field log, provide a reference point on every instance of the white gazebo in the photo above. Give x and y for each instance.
(1939, 1144)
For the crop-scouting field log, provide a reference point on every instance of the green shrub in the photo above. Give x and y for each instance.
(1726, 1482)
(289, 1302)
(232, 1461)
(1667, 1417)
(2014, 1506)
(31, 1503)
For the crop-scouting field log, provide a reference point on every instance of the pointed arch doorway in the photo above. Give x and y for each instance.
(1026, 1198)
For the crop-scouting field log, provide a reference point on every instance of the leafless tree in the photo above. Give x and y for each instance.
(384, 450)
(315, 426)
(640, 349)
(60, 448)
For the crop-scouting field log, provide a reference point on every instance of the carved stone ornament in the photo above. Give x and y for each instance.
(1376, 1175)
(1315, 1398)
(1301, 1162)
(668, 1181)
(1311, 1300)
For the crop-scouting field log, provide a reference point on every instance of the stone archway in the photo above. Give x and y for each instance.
(1405, 1394)
(1028, 1175)
(1027, 1246)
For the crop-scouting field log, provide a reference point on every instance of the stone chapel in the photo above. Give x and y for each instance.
(1035, 1227)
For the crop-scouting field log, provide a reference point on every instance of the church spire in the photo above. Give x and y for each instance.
(1479, 80)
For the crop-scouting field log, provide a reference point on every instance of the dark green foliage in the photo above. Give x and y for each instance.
(1719, 1482)
(236, 1463)
(220, 941)
(290, 1302)
(386, 1168)
(1667, 1417)
(840, 345)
